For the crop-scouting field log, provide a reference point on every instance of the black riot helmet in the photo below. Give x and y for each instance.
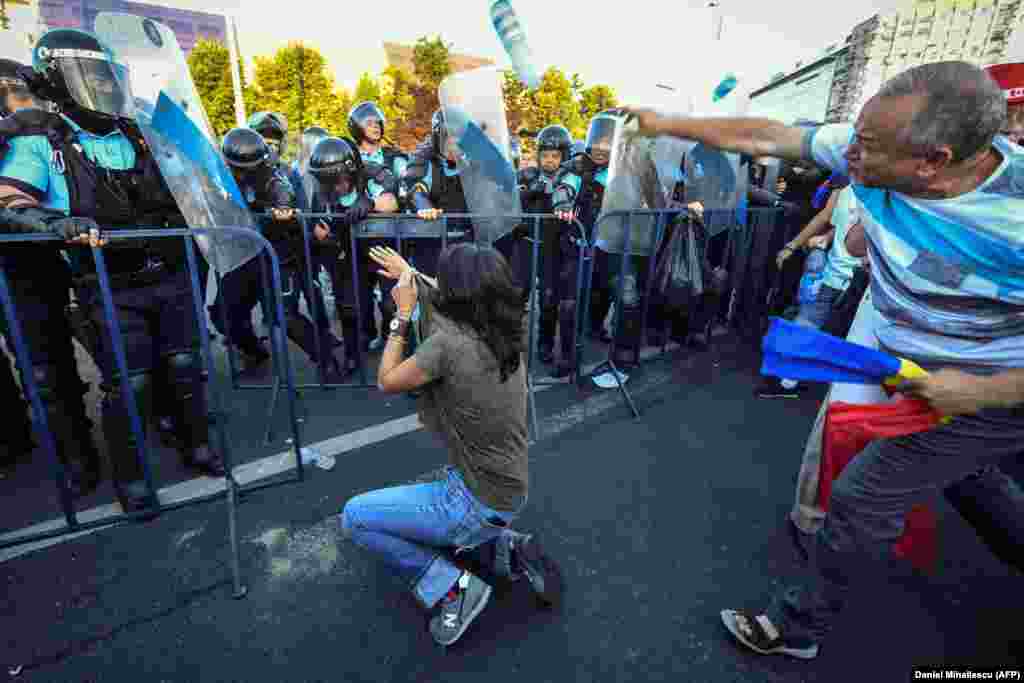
(247, 155)
(336, 165)
(361, 116)
(75, 69)
(555, 138)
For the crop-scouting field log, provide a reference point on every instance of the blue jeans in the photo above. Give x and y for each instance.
(409, 527)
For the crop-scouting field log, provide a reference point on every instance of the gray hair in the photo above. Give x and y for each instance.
(964, 107)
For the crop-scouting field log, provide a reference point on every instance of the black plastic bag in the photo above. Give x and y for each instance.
(679, 277)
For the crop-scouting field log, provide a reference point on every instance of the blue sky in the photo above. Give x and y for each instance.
(631, 46)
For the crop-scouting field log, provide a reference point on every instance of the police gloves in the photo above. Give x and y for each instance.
(70, 228)
(36, 220)
(358, 212)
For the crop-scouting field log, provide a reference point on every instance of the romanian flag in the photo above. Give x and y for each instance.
(797, 352)
(849, 428)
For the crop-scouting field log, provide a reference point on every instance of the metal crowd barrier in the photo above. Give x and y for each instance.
(399, 229)
(232, 490)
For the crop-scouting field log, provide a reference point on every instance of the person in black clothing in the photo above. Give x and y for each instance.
(433, 187)
(113, 182)
(266, 189)
(341, 189)
(15, 441)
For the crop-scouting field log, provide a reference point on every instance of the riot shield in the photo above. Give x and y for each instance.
(474, 111)
(635, 181)
(171, 117)
(309, 185)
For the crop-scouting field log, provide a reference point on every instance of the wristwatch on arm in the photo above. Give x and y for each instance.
(400, 327)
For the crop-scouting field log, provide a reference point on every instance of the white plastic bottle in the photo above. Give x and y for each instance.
(512, 36)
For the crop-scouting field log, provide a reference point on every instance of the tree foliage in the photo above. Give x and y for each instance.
(432, 63)
(296, 82)
(367, 89)
(210, 66)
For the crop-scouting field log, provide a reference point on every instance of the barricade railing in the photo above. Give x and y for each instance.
(400, 229)
(216, 412)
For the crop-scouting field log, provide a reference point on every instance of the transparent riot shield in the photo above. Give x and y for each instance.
(474, 111)
(635, 181)
(172, 120)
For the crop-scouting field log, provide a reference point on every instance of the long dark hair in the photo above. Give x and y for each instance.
(476, 290)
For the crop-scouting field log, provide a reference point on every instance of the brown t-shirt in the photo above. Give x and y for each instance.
(481, 419)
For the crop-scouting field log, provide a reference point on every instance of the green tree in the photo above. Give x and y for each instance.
(397, 96)
(595, 99)
(368, 89)
(297, 83)
(431, 59)
(210, 66)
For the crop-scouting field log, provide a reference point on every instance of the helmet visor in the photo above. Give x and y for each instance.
(599, 138)
(306, 147)
(94, 82)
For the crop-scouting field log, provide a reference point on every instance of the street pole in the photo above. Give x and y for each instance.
(716, 20)
(236, 79)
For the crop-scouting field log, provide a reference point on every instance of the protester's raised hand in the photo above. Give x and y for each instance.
(391, 262)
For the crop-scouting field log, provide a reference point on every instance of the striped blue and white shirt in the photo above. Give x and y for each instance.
(947, 275)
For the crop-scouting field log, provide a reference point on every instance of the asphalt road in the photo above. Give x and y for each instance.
(658, 523)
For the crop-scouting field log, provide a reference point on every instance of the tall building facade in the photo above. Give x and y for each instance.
(918, 32)
(189, 26)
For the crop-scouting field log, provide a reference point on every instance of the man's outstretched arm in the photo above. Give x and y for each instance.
(752, 136)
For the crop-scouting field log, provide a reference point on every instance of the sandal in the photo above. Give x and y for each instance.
(760, 635)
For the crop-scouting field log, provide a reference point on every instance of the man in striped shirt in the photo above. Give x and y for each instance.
(942, 222)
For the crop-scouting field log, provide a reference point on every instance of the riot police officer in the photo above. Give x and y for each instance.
(583, 202)
(267, 190)
(105, 177)
(341, 189)
(15, 441)
(538, 188)
(383, 166)
(433, 187)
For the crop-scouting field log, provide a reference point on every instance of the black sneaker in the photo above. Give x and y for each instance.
(761, 635)
(772, 387)
(544, 575)
(459, 608)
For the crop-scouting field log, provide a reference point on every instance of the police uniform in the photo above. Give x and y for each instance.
(383, 170)
(244, 288)
(333, 255)
(111, 179)
(558, 257)
(435, 183)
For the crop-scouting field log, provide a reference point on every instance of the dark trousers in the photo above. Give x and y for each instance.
(869, 503)
(242, 289)
(40, 295)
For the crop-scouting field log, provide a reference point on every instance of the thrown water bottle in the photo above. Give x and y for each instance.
(726, 86)
(312, 456)
(513, 38)
(814, 272)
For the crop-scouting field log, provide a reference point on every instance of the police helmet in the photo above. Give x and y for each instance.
(334, 158)
(269, 124)
(360, 116)
(244, 149)
(555, 138)
(76, 69)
